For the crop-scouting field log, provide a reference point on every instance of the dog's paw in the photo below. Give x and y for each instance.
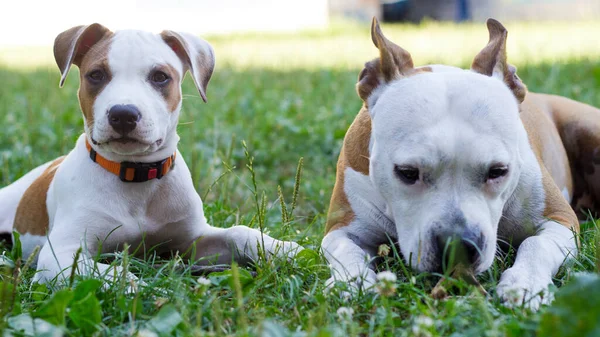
(518, 287)
(284, 249)
(130, 285)
(290, 249)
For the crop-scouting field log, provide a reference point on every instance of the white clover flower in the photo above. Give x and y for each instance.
(417, 331)
(421, 326)
(386, 285)
(203, 281)
(424, 321)
(345, 313)
(386, 276)
(146, 333)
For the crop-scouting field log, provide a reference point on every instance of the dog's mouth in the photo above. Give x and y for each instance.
(127, 140)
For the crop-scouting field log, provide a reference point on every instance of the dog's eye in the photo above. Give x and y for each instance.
(96, 76)
(407, 174)
(496, 172)
(159, 77)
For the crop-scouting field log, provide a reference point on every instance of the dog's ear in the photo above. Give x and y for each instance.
(195, 54)
(491, 60)
(393, 63)
(71, 46)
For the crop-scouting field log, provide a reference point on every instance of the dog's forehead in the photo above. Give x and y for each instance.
(448, 140)
(134, 49)
(415, 103)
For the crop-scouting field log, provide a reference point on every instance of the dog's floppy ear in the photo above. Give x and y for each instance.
(71, 46)
(393, 63)
(491, 60)
(196, 55)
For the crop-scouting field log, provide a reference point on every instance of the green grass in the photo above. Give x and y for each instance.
(288, 96)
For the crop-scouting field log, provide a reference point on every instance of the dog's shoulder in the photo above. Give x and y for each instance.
(356, 143)
(547, 170)
(32, 214)
(575, 148)
(355, 156)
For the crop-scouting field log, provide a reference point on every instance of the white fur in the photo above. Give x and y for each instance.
(452, 125)
(349, 258)
(91, 208)
(448, 138)
(29, 242)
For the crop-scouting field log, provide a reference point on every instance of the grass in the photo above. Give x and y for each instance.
(287, 97)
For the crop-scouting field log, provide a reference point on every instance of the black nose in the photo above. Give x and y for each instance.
(454, 249)
(472, 250)
(123, 118)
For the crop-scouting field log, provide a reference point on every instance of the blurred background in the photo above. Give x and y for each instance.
(35, 23)
(32, 22)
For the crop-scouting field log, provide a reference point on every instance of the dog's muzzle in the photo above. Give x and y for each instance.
(452, 248)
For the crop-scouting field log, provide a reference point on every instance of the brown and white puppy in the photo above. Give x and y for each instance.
(125, 181)
(440, 154)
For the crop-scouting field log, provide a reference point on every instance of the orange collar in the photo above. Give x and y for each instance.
(132, 171)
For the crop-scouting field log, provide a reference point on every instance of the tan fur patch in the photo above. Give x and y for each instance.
(200, 65)
(63, 46)
(354, 154)
(95, 59)
(549, 150)
(172, 91)
(371, 77)
(393, 63)
(492, 58)
(32, 214)
(73, 44)
(579, 127)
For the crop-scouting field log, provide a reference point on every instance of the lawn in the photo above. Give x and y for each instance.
(287, 97)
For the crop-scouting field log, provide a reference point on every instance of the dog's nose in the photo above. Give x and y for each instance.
(124, 118)
(453, 249)
(472, 250)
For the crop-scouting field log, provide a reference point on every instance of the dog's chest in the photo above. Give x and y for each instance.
(146, 209)
(99, 203)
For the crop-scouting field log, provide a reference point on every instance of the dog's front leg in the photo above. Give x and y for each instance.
(537, 261)
(239, 243)
(57, 260)
(349, 262)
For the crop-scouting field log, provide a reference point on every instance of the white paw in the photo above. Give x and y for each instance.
(286, 249)
(112, 278)
(519, 287)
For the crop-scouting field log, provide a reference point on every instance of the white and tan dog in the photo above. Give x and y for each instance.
(125, 181)
(439, 153)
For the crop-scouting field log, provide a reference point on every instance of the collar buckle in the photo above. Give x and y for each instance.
(131, 172)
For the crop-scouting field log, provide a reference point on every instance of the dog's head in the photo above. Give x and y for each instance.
(445, 151)
(130, 84)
